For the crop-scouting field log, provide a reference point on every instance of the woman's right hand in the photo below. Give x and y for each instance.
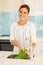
(29, 50)
(20, 47)
(15, 43)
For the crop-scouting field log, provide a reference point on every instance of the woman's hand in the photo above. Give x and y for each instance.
(20, 47)
(15, 43)
(29, 50)
(33, 47)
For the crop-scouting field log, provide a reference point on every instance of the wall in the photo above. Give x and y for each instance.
(36, 6)
(10, 5)
(8, 9)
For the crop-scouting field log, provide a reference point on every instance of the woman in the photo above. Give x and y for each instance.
(22, 33)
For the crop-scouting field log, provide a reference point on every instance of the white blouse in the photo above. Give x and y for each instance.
(24, 35)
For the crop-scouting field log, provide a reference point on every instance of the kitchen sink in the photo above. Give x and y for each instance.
(13, 57)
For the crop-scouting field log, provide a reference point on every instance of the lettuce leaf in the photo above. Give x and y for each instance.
(22, 54)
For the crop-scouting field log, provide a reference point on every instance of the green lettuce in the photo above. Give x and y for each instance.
(22, 54)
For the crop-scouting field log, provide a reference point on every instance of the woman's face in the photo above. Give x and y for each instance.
(23, 13)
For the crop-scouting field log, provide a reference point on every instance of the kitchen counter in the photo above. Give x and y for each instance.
(37, 60)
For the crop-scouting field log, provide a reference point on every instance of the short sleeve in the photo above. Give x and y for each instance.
(33, 33)
(12, 32)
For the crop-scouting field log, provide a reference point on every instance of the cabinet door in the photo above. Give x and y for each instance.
(6, 46)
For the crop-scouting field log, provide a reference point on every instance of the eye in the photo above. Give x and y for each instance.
(20, 11)
(24, 12)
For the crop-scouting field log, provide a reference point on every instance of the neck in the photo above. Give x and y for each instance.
(22, 22)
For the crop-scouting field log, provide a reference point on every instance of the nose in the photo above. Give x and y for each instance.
(22, 14)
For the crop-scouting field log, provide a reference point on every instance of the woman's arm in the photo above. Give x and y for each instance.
(12, 37)
(15, 43)
(33, 37)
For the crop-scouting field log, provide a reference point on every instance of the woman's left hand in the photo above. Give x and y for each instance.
(29, 50)
(33, 44)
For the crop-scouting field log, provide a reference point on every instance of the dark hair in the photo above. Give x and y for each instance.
(25, 6)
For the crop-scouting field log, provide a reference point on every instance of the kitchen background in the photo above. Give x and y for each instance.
(9, 14)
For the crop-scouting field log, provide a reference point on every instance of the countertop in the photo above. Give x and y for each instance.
(37, 60)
